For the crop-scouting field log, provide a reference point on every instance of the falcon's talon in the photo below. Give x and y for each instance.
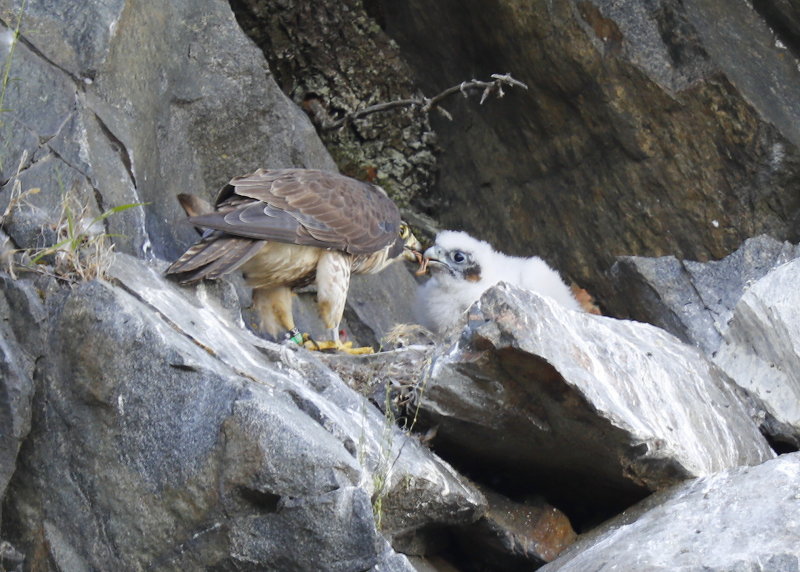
(309, 343)
(423, 263)
(333, 345)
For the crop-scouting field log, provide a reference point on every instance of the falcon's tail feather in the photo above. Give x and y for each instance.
(194, 205)
(213, 257)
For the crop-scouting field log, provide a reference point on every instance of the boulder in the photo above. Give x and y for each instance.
(582, 406)
(189, 442)
(21, 314)
(694, 300)
(761, 350)
(515, 535)
(743, 518)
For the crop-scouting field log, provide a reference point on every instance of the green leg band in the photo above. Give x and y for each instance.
(295, 336)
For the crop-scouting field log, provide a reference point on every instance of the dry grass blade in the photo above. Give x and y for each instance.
(83, 250)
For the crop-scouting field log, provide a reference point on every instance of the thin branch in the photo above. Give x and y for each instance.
(494, 87)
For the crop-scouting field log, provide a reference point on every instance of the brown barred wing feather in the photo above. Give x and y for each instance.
(213, 256)
(308, 207)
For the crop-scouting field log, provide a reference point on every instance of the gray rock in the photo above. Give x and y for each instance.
(312, 527)
(143, 102)
(185, 439)
(761, 350)
(694, 300)
(21, 313)
(586, 401)
(11, 558)
(743, 518)
(381, 302)
(516, 535)
(398, 464)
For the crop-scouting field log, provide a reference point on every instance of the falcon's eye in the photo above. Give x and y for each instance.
(404, 231)
(459, 256)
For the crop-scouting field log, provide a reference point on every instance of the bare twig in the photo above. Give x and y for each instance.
(499, 81)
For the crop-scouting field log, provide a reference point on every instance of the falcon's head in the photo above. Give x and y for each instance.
(406, 244)
(460, 257)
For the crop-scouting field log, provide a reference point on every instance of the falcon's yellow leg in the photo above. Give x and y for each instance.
(333, 278)
(274, 309)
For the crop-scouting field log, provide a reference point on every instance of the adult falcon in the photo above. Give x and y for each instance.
(288, 228)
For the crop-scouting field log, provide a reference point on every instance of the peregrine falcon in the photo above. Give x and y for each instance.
(288, 228)
(462, 268)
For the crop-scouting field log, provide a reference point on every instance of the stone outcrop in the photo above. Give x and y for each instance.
(761, 353)
(171, 444)
(164, 435)
(740, 519)
(694, 300)
(606, 408)
(738, 310)
(17, 364)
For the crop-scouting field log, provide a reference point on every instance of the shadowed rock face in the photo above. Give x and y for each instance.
(332, 59)
(20, 313)
(647, 129)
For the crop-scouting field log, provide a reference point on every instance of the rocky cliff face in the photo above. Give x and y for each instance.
(143, 425)
(665, 128)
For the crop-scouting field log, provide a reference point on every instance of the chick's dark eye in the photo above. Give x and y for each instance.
(459, 257)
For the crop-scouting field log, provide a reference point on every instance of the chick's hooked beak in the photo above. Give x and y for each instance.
(435, 254)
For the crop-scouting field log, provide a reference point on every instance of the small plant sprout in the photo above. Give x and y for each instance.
(82, 251)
